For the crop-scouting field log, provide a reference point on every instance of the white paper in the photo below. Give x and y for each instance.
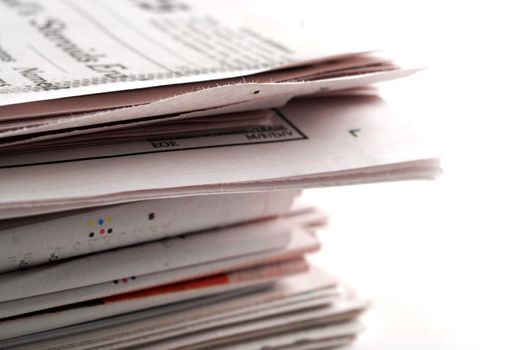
(182, 317)
(343, 309)
(217, 99)
(301, 242)
(303, 148)
(145, 258)
(54, 49)
(33, 241)
(104, 134)
(312, 338)
(137, 301)
(275, 308)
(48, 111)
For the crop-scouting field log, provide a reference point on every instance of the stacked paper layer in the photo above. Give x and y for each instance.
(244, 278)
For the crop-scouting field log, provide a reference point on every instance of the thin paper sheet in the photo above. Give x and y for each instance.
(66, 235)
(146, 258)
(47, 54)
(304, 147)
(156, 296)
(301, 242)
(177, 319)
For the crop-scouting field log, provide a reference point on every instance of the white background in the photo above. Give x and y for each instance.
(441, 261)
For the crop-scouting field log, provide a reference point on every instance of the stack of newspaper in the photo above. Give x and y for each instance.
(151, 153)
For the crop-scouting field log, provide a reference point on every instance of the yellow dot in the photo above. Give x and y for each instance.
(91, 223)
(109, 218)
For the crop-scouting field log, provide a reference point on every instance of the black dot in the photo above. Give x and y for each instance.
(110, 230)
(115, 281)
(256, 92)
(151, 216)
(91, 234)
(133, 277)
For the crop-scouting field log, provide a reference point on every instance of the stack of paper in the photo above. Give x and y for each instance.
(150, 156)
(234, 282)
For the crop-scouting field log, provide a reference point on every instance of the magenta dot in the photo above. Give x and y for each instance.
(102, 231)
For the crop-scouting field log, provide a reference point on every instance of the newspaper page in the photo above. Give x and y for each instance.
(143, 299)
(214, 100)
(66, 235)
(194, 314)
(301, 242)
(62, 48)
(300, 149)
(145, 258)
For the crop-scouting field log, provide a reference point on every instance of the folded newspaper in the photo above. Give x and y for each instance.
(144, 62)
(252, 289)
(309, 142)
(151, 154)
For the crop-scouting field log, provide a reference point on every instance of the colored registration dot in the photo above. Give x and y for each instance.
(124, 280)
(91, 222)
(101, 222)
(109, 218)
(102, 231)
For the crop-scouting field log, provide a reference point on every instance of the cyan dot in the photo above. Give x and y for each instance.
(101, 222)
